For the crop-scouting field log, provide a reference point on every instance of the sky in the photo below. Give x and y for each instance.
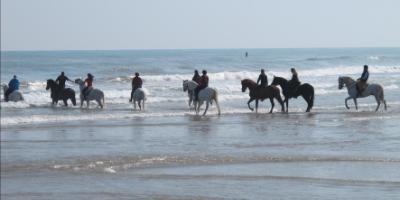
(197, 24)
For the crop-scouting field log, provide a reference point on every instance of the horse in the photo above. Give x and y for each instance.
(92, 94)
(58, 93)
(305, 90)
(189, 86)
(207, 94)
(259, 93)
(138, 96)
(372, 89)
(14, 96)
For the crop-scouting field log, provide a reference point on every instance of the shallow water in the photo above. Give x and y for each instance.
(166, 152)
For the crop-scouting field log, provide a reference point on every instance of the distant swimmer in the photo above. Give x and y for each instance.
(196, 77)
(246, 54)
(203, 84)
(362, 81)
(13, 85)
(262, 79)
(136, 83)
(61, 80)
(88, 82)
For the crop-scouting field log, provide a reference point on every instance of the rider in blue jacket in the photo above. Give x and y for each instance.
(12, 86)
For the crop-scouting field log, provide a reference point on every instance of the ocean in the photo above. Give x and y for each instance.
(167, 152)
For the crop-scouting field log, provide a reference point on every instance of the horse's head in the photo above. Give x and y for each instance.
(345, 80)
(5, 87)
(278, 81)
(340, 80)
(247, 83)
(185, 85)
(79, 81)
(50, 83)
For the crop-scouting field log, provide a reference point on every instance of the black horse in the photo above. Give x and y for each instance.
(58, 93)
(305, 90)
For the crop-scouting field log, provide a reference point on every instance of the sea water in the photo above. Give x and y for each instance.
(167, 152)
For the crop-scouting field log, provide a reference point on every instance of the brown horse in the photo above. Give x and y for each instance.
(259, 93)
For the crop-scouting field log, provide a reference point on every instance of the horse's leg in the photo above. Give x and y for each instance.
(378, 101)
(216, 103)
(287, 104)
(198, 107)
(143, 103)
(272, 104)
(248, 104)
(140, 106)
(207, 105)
(81, 97)
(308, 103)
(134, 104)
(345, 102)
(87, 103)
(65, 102)
(99, 102)
(281, 102)
(256, 105)
(355, 102)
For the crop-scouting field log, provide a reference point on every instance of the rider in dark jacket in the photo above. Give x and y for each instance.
(263, 79)
(136, 83)
(294, 82)
(12, 86)
(61, 80)
(203, 84)
(362, 81)
(196, 77)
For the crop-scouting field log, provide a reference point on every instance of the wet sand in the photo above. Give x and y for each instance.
(334, 154)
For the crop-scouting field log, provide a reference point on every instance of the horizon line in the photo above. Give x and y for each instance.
(218, 48)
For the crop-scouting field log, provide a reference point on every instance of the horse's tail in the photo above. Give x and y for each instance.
(216, 101)
(104, 101)
(312, 97)
(73, 99)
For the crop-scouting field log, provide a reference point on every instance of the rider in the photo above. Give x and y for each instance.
(61, 80)
(88, 82)
(196, 77)
(136, 83)
(12, 86)
(362, 81)
(263, 79)
(294, 82)
(203, 84)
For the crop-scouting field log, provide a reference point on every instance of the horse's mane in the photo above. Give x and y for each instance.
(281, 78)
(249, 81)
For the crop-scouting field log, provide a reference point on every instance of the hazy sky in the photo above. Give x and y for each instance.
(170, 24)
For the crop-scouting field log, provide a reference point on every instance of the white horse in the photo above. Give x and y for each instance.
(94, 94)
(207, 94)
(15, 96)
(139, 96)
(372, 89)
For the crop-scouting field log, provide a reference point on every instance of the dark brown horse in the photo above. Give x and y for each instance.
(305, 90)
(259, 93)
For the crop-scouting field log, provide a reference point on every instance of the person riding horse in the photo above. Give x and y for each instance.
(88, 82)
(136, 83)
(294, 82)
(61, 80)
(203, 83)
(12, 86)
(196, 77)
(263, 79)
(362, 81)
